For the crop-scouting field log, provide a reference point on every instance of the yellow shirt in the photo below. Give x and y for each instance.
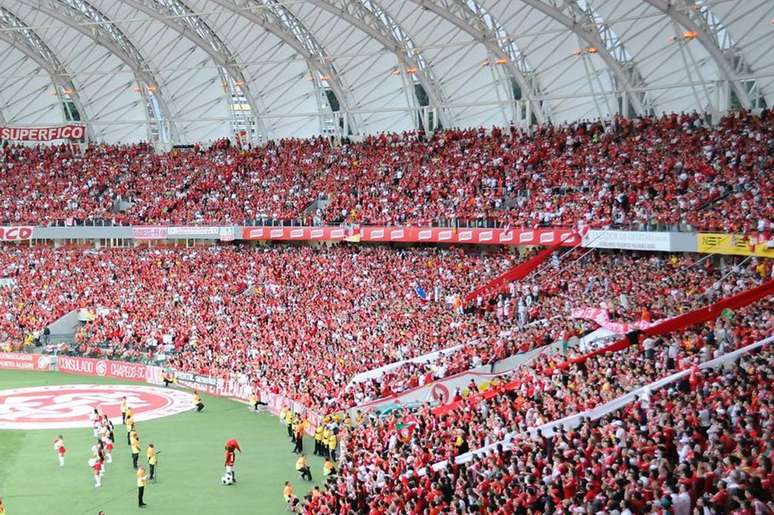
(287, 492)
(197, 398)
(124, 406)
(135, 447)
(332, 441)
(327, 467)
(318, 434)
(151, 455)
(300, 463)
(142, 479)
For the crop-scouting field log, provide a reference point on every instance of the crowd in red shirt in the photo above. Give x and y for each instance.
(234, 309)
(668, 171)
(634, 465)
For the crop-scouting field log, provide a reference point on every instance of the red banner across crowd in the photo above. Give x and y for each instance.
(698, 316)
(71, 132)
(475, 236)
(516, 273)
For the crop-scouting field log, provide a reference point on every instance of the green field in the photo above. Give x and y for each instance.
(189, 471)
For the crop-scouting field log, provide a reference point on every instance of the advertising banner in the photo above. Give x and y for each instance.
(111, 369)
(473, 236)
(71, 132)
(627, 240)
(16, 233)
(19, 361)
(206, 384)
(154, 232)
(732, 244)
(149, 233)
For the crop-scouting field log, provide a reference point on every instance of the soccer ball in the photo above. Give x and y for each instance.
(227, 479)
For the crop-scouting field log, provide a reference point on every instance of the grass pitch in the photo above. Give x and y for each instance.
(189, 470)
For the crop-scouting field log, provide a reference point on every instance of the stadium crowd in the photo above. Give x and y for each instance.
(221, 311)
(651, 171)
(712, 446)
(303, 321)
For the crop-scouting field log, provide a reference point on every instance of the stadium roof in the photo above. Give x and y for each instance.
(182, 71)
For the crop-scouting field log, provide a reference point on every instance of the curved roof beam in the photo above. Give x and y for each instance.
(686, 16)
(181, 18)
(464, 17)
(89, 21)
(585, 27)
(277, 19)
(23, 38)
(367, 16)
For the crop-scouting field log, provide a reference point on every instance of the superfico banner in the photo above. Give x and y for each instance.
(72, 132)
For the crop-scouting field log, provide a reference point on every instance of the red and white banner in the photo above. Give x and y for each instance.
(16, 233)
(474, 236)
(71, 132)
(111, 369)
(19, 361)
(602, 318)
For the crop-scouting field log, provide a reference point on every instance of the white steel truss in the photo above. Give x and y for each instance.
(178, 16)
(276, 18)
(391, 62)
(30, 44)
(88, 20)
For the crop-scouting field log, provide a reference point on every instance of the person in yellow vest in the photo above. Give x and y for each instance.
(318, 441)
(289, 423)
(324, 443)
(152, 460)
(287, 491)
(135, 445)
(328, 467)
(197, 399)
(298, 436)
(332, 446)
(359, 418)
(131, 427)
(142, 481)
(2, 507)
(124, 407)
(303, 468)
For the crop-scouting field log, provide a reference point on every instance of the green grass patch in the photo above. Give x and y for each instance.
(189, 471)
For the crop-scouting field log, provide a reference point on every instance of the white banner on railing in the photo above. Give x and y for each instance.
(631, 240)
